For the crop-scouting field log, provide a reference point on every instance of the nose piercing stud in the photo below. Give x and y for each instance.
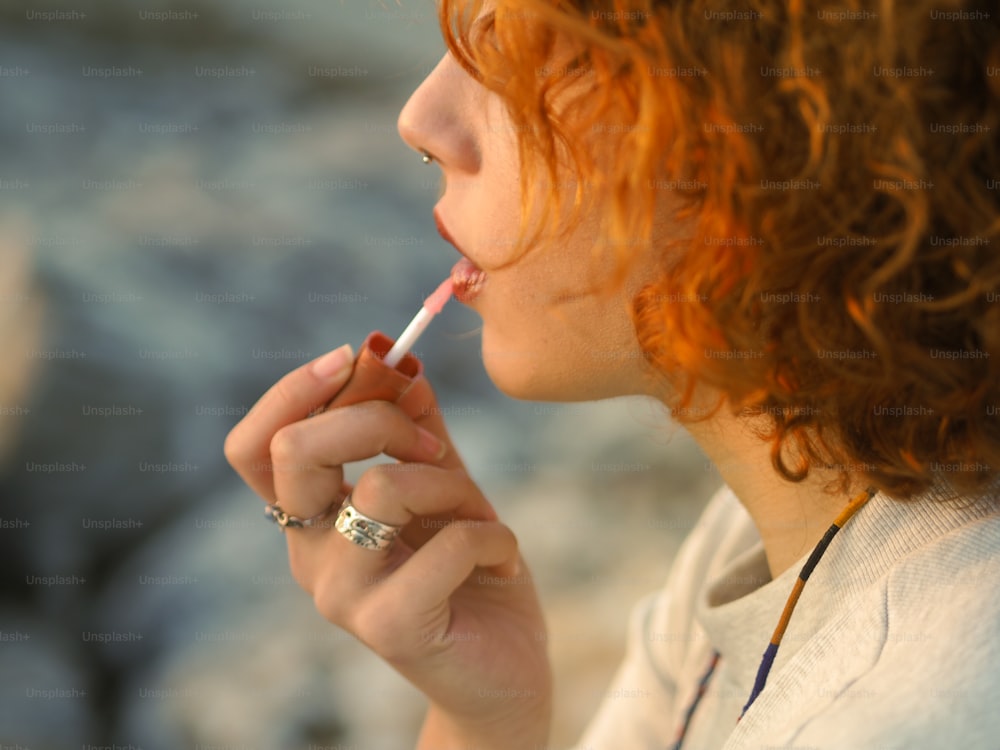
(427, 158)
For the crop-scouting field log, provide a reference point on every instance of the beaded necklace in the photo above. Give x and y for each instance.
(793, 598)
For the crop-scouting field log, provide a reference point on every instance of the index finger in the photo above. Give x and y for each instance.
(290, 400)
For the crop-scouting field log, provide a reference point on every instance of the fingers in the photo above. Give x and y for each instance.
(400, 493)
(320, 559)
(433, 494)
(418, 497)
(276, 427)
(451, 556)
(406, 611)
(307, 456)
(290, 400)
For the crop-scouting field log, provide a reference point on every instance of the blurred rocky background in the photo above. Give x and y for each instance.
(196, 197)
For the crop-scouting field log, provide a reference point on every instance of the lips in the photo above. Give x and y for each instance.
(467, 278)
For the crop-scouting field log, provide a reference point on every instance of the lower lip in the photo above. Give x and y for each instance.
(468, 280)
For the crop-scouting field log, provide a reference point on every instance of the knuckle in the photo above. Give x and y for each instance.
(381, 411)
(382, 627)
(287, 445)
(237, 448)
(458, 539)
(329, 603)
(284, 391)
(378, 481)
(466, 483)
(507, 538)
(378, 410)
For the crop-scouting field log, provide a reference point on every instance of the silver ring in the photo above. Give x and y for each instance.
(287, 521)
(427, 158)
(363, 531)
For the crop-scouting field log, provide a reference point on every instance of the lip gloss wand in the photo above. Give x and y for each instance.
(431, 307)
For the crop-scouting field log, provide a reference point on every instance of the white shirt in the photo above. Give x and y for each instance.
(895, 641)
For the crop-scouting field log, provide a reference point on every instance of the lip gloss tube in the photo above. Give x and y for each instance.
(373, 379)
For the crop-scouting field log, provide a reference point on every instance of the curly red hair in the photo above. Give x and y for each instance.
(838, 165)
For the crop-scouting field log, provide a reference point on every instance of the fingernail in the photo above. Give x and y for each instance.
(334, 362)
(430, 443)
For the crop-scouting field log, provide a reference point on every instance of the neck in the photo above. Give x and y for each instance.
(791, 517)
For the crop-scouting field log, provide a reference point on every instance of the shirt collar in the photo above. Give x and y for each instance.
(739, 608)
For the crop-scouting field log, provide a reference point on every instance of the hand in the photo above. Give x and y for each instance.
(450, 604)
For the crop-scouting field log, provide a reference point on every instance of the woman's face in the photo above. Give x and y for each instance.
(544, 337)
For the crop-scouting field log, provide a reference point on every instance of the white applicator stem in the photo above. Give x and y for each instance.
(431, 307)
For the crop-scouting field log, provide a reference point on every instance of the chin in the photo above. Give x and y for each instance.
(531, 376)
(516, 373)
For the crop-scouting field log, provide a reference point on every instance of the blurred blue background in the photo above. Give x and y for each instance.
(195, 198)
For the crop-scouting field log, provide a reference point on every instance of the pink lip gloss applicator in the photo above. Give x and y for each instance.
(384, 370)
(431, 307)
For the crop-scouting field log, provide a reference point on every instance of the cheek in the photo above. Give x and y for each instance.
(519, 328)
(581, 350)
(545, 336)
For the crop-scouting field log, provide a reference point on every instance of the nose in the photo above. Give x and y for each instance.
(440, 117)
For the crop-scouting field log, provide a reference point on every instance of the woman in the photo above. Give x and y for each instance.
(778, 221)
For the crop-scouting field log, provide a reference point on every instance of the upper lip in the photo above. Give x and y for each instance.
(445, 234)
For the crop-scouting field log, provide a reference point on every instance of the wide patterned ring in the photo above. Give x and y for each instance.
(363, 531)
